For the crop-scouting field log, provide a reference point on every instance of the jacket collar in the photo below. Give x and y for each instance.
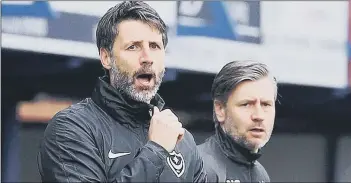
(233, 150)
(121, 107)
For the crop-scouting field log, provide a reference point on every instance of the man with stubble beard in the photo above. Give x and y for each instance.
(244, 95)
(122, 133)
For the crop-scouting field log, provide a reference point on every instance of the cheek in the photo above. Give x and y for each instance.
(270, 125)
(159, 60)
(126, 62)
(270, 117)
(243, 117)
(239, 121)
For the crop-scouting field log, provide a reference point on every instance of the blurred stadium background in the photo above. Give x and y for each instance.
(49, 61)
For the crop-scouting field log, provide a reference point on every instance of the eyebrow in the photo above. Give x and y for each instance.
(268, 101)
(255, 100)
(247, 100)
(140, 41)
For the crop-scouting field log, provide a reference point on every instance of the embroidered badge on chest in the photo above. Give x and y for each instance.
(176, 162)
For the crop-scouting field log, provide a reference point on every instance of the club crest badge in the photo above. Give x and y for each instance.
(176, 162)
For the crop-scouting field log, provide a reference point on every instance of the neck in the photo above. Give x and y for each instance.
(235, 150)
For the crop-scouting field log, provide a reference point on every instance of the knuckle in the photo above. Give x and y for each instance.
(170, 112)
(179, 125)
(182, 131)
(174, 118)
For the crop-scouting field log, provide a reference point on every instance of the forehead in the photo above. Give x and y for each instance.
(263, 88)
(133, 30)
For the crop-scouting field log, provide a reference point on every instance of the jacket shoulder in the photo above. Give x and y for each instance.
(189, 139)
(83, 107)
(70, 140)
(84, 111)
(261, 171)
(80, 116)
(212, 160)
(208, 147)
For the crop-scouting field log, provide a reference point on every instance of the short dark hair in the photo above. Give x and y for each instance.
(107, 30)
(233, 74)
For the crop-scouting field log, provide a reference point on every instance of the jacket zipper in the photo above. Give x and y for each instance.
(250, 168)
(144, 133)
(145, 129)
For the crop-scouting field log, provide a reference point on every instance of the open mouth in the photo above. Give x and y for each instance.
(146, 76)
(145, 79)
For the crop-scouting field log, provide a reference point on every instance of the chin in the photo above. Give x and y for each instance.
(256, 143)
(144, 95)
(150, 91)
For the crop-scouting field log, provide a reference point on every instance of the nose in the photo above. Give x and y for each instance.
(258, 114)
(145, 56)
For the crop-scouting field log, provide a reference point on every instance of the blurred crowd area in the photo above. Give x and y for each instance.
(50, 61)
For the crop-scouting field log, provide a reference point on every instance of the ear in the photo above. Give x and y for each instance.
(219, 109)
(105, 58)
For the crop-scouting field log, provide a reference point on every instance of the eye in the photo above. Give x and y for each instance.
(244, 104)
(132, 47)
(154, 46)
(266, 104)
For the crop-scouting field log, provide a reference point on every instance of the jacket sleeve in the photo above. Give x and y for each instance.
(263, 172)
(210, 165)
(68, 153)
(200, 172)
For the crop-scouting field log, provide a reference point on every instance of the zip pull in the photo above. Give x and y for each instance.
(151, 112)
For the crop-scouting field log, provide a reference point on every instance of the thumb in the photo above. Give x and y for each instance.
(156, 110)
